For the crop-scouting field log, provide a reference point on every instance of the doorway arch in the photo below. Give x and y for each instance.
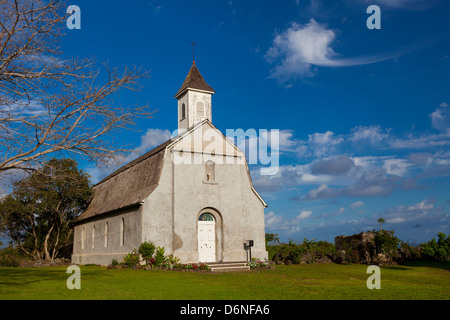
(206, 231)
(209, 235)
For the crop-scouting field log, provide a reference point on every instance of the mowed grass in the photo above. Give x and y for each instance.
(312, 281)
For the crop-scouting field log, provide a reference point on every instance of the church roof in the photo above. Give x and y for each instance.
(194, 80)
(128, 186)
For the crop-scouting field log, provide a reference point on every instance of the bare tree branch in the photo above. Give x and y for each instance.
(50, 103)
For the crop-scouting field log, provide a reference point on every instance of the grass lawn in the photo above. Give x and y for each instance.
(311, 281)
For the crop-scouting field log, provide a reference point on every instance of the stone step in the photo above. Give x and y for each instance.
(228, 266)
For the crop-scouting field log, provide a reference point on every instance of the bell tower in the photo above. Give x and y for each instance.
(194, 100)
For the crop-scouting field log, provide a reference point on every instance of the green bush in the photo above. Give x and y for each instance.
(160, 258)
(411, 252)
(171, 259)
(386, 242)
(190, 266)
(9, 257)
(437, 250)
(131, 259)
(147, 249)
(114, 263)
(295, 253)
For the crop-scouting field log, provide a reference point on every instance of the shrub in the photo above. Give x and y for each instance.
(257, 264)
(297, 253)
(160, 258)
(131, 259)
(437, 250)
(386, 242)
(114, 263)
(9, 257)
(147, 249)
(348, 254)
(191, 266)
(172, 259)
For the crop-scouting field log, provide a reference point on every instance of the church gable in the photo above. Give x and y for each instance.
(207, 140)
(205, 144)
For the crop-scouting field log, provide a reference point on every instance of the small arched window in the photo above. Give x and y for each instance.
(93, 237)
(122, 231)
(206, 217)
(106, 234)
(183, 111)
(83, 236)
(200, 109)
(210, 174)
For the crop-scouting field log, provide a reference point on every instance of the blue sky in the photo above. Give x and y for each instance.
(364, 115)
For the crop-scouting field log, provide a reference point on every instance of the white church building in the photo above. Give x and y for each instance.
(192, 195)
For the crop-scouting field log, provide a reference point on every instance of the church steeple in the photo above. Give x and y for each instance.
(194, 100)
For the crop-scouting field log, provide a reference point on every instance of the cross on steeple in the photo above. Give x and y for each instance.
(193, 44)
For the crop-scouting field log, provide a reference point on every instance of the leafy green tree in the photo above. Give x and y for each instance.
(272, 238)
(38, 215)
(386, 242)
(437, 250)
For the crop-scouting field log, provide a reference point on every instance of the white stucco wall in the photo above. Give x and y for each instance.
(115, 248)
(171, 212)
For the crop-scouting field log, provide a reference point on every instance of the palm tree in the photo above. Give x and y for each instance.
(380, 221)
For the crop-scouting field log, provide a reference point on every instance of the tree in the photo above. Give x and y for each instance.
(272, 238)
(437, 250)
(38, 215)
(51, 104)
(380, 221)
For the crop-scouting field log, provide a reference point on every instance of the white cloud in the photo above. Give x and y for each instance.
(424, 205)
(153, 138)
(287, 141)
(420, 211)
(440, 118)
(300, 47)
(372, 134)
(23, 107)
(323, 143)
(303, 215)
(356, 205)
(273, 221)
(375, 182)
(397, 167)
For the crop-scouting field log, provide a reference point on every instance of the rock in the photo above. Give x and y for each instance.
(358, 248)
(323, 260)
(308, 257)
(402, 254)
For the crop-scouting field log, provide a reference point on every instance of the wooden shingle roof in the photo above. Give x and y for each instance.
(128, 186)
(194, 80)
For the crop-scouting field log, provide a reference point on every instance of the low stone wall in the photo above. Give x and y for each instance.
(358, 248)
(361, 248)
